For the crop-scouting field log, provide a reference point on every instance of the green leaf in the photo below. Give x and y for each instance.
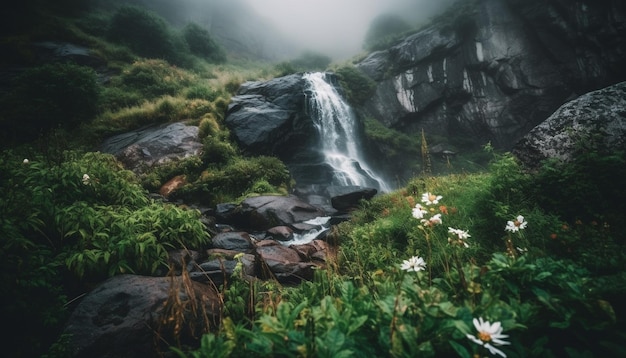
(543, 297)
(460, 350)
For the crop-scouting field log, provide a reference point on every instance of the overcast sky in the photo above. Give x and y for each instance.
(336, 27)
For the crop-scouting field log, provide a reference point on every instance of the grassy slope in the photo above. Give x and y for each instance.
(559, 277)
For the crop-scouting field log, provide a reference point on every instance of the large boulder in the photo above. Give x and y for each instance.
(261, 213)
(268, 117)
(146, 147)
(126, 315)
(594, 120)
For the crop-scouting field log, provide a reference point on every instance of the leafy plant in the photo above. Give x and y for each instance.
(48, 96)
(356, 85)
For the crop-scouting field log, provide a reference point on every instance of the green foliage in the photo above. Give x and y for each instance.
(356, 86)
(57, 94)
(202, 44)
(107, 240)
(201, 92)
(61, 233)
(214, 150)
(231, 178)
(208, 126)
(384, 30)
(587, 188)
(393, 145)
(68, 221)
(115, 98)
(144, 32)
(152, 79)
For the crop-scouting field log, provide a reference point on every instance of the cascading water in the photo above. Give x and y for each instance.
(335, 122)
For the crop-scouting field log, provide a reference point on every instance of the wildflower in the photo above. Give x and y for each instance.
(415, 263)
(430, 199)
(434, 220)
(488, 333)
(443, 209)
(86, 179)
(26, 161)
(517, 225)
(461, 235)
(418, 211)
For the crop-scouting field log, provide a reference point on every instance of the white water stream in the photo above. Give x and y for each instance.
(335, 122)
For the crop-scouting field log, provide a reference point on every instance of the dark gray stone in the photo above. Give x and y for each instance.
(594, 120)
(123, 316)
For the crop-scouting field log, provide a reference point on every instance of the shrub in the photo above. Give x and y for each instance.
(216, 151)
(116, 98)
(201, 92)
(153, 78)
(357, 87)
(208, 127)
(143, 31)
(202, 44)
(587, 188)
(392, 142)
(58, 94)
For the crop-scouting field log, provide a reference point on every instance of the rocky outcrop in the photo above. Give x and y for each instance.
(139, 316)
(146, 147)
(596, 120)
(493, 70)
(268, 117)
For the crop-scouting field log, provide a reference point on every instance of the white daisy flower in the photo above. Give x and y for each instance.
(415, 263)
(430, 199)
(418, 211)
(516, 225)
(488, 335)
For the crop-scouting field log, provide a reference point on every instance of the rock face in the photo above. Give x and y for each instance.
(495, 70)
(594, 120)
(146, 147)
(269, 117)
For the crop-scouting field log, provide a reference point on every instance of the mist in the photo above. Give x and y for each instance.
(337, 28)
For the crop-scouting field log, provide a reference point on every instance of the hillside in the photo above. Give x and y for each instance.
(501, 261)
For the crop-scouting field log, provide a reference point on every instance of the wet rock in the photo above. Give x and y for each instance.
(596, 119)
(146, 147)
(122, 315)
(233, 240)
(281, 233)
(348, 198)
(285, 264)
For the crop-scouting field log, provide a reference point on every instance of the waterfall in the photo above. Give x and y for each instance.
(336, 125)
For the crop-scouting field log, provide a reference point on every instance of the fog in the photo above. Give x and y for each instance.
(337, 28)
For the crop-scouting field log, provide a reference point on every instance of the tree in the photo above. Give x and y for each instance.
(144, 32)
(202, 44)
